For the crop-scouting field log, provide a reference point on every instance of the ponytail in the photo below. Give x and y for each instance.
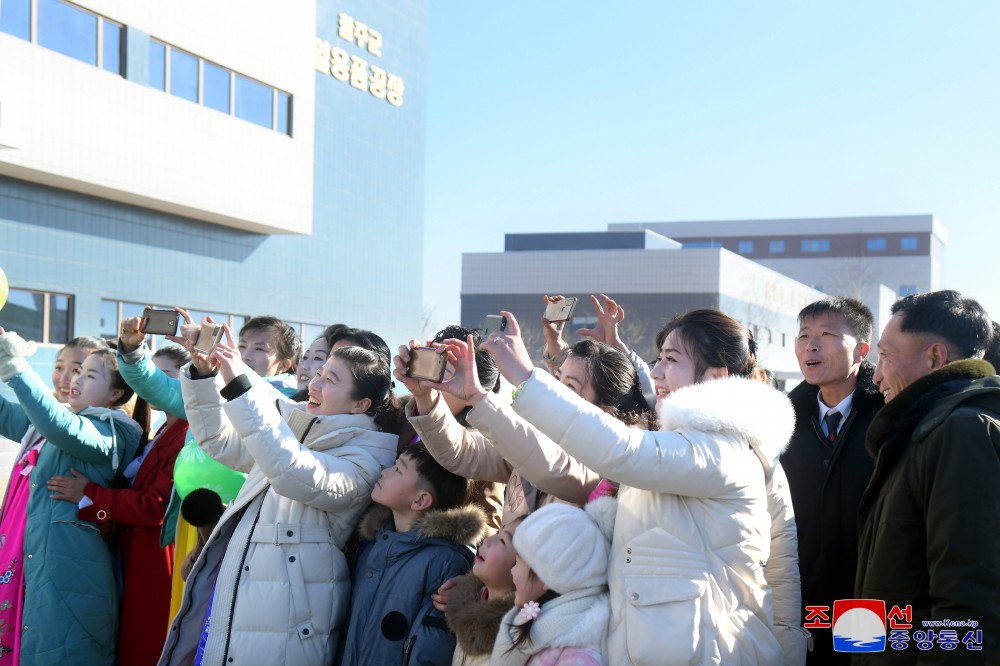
(388, 415)
(522, 632)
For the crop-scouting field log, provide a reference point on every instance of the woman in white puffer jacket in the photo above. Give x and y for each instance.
(272, 578)
(692, 534)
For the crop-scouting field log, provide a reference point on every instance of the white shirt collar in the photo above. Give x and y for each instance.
(844, 407)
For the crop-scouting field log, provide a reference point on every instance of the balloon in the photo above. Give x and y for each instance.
(4, 289)
(195, 469)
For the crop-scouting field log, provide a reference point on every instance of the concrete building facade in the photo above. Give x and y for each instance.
(650, 275)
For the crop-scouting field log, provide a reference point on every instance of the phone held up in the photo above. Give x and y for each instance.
(208, 337)
(561, 310)
(493, 324)
(426, 363)
(159, 322)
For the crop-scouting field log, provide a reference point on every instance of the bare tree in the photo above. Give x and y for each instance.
(632, 331)
(427, 328)
(854, 282)
(534, 341)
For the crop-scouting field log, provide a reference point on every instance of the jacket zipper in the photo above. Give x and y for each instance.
(408, 649)
(239, 574)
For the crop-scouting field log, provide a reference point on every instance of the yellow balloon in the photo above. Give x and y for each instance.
(3, 289)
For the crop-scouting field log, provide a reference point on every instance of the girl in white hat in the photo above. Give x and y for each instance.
(561, 608)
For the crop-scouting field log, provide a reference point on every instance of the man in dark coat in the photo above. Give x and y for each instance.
(826, 462)
(930, 517)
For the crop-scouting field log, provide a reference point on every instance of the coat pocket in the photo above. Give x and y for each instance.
(662, 618)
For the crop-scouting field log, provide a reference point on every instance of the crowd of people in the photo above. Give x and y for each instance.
(594, 511)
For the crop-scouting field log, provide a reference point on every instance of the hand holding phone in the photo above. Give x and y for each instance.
(560, 309)
(208, 337)
(427, 363)
(493, 324)
(159, 322)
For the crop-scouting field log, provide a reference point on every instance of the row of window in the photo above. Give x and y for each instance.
(113, 312)
(815, 245)
(38, 315)
(67, 29)
(98, 41)
(47, 317)
(197, 80)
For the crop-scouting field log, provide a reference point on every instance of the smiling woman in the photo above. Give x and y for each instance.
(73, 604)
(711, 472)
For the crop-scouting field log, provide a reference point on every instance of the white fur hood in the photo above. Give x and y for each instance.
(744, 407)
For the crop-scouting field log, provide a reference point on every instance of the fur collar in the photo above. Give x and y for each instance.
(927, 400)
(867, 397)
(464, 525)
(745, 408)
(475, 623)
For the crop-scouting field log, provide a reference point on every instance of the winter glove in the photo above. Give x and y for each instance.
(13, 350)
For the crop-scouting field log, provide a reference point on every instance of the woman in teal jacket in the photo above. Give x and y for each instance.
(69, 613)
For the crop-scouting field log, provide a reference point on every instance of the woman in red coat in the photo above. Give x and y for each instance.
(138, 513)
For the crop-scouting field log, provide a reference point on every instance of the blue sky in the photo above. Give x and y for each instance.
(565, 116)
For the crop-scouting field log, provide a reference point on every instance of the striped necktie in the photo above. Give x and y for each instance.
(832, 420)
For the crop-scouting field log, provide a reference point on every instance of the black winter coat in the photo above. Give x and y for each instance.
(827, 482)
(930, 518)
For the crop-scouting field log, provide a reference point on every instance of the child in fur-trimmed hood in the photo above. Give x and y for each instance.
(480, 599)
(421, 532)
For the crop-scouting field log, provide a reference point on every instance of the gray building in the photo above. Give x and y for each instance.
(848, 256)
(651, 276)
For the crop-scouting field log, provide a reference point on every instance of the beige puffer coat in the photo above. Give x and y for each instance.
(470, 453)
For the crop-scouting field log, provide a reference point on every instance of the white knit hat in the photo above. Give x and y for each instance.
(567, 547)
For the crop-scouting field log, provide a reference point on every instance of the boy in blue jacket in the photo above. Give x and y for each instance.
(420, 532)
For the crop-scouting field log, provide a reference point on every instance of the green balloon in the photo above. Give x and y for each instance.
(4, 289)
(196, 469)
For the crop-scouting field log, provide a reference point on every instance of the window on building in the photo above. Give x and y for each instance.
(15, 18)
(309, 333)
(157, 65)
(67, 29)
(183, 75)
(776, 247)
(876, 245)
(907, 289)
(284, 104)
(109, 319)
(215, 87)
(39, 315)
(908, 243)
(254, 102)
(745, 247)
(583, 321)
(815, 245)
(111, 46)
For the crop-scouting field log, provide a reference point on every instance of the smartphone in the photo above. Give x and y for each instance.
(426, 363)
(159, 322)
(560, 310)
(208, 337)
(493, 324)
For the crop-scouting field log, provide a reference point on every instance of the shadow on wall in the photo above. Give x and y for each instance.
(38, 205)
